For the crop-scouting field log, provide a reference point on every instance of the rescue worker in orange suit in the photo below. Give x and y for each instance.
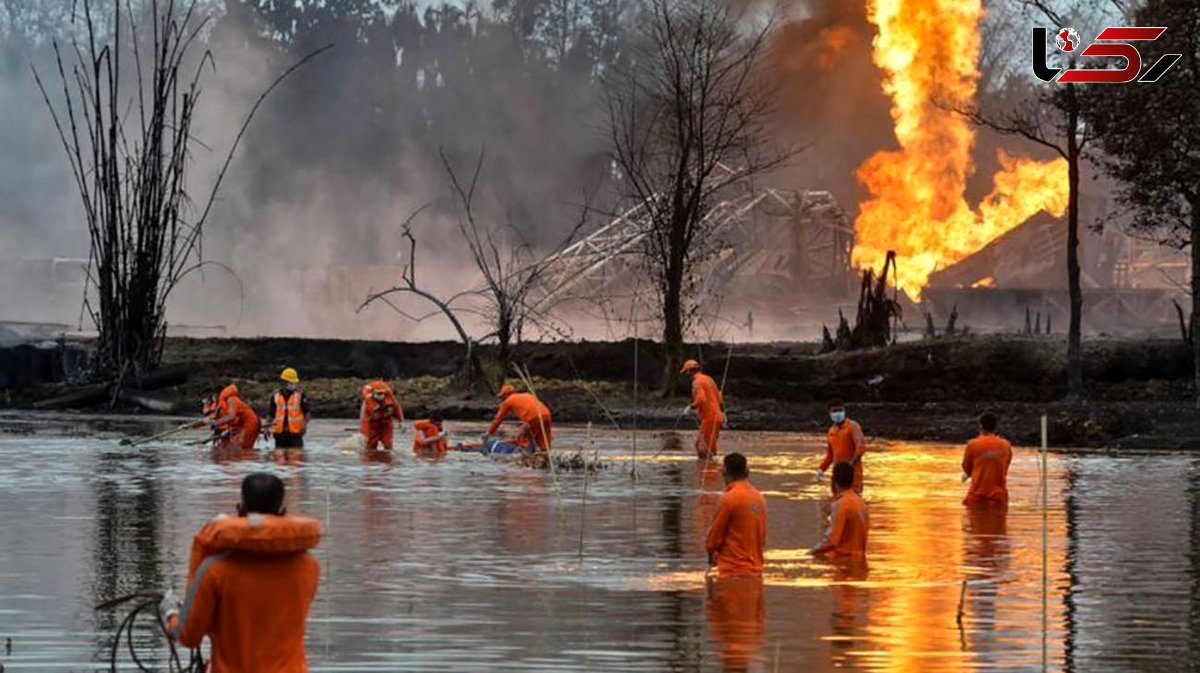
(845, 444)
(379, 409)
(849, 520)
(236, 422)
(429, 437)
(709, 405)
(533, 414)
(289, 409)
(739, 530)
(985, 463)
(251, 598)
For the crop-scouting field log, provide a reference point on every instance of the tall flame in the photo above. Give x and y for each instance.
(928, 50)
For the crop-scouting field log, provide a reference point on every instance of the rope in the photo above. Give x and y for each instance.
(147, 602)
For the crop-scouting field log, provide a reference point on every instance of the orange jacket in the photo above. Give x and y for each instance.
(230, 401)
(739, 531)
(524, 406)
(844, 444)
(250, 593)
(377, 413)
(707, 399)
(422, 430)
(986, 459)
(850, 522)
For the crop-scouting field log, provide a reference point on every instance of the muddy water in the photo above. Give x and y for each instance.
(470, 565)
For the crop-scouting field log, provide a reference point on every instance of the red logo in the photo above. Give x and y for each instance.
(1068, 41)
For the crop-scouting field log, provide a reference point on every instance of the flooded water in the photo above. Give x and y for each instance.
(472, 565)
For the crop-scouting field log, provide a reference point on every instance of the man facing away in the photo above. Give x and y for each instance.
(709, 405)
(739, 530)
(289, 409)
(849, 520)
(251, 600)
(845, 444)
(985, 463)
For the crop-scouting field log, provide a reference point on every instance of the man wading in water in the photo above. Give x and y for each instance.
(251, 582)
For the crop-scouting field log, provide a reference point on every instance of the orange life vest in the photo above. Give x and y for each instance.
(289, 413)
(258, 533)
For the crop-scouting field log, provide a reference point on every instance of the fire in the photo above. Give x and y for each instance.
(928, 50)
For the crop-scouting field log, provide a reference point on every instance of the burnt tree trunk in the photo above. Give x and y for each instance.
(1074, 331)
(673, 320)
(1194, 332)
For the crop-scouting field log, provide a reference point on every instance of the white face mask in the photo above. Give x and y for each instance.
(837, 416)
(378, 397)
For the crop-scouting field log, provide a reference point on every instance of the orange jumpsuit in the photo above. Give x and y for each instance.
(376, 421)
(739, 531)
(253, 607)
(424, 430)
(846, 444)
(849, 524)
(530, 410)
(243, 429)
(986, 459)
(709, 404)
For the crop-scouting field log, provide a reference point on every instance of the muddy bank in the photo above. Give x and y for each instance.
(929, 390)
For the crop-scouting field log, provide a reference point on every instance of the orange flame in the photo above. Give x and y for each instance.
(928, 50)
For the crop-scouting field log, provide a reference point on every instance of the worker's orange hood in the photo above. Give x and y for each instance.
(258, 533)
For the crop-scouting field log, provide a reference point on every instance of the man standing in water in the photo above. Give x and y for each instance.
(739, 530)
(253, 582)
(845, 444)
(849, 521)
(709, 405)
(985, 463)
(536, 422)
(289, 409)
(379, 409)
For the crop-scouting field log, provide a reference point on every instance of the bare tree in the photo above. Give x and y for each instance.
(687, 119)
(129, 152)
(1051, 116)
(1150, 134)
(504, 304)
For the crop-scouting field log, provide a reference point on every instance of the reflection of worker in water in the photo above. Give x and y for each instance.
(236, 423)
(739, 530)
(289, 411)
(985, 463)
(845, 444)
(736, 618)
(379, 409)
(251, 583)
(709, 405)
(429, 437)
(850, 606)
(536, 426)
(849, 521)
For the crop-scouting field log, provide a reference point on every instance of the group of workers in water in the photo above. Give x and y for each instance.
(260, 558)
(236, 425)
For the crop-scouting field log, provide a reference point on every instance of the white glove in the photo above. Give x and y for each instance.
(820, 476)
(965, 478)
(168, 607)
(687, 410)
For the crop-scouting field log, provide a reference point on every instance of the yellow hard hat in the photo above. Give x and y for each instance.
(690, 365)
(290, 375)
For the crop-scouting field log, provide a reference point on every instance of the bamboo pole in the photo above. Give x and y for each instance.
(1045, 553)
